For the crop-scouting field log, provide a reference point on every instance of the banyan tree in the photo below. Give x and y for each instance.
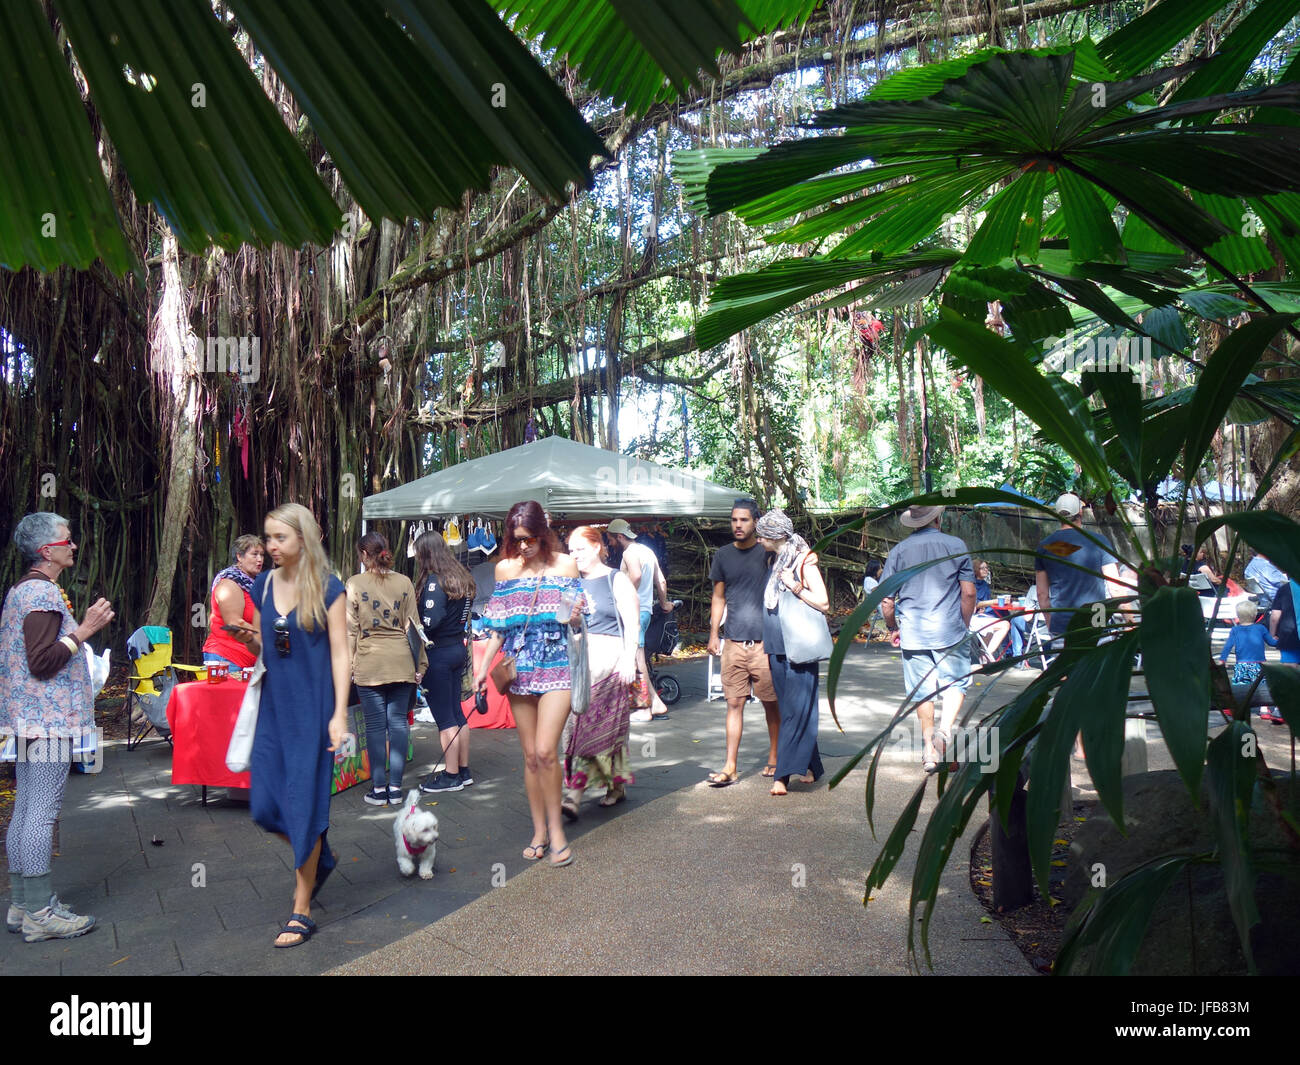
(261, 252)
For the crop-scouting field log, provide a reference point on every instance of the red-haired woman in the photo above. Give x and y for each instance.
(537, 594)
(595, 744)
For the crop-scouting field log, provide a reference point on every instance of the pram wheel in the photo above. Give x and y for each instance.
(668, 688)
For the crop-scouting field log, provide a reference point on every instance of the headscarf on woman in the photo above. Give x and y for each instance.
(774, 525)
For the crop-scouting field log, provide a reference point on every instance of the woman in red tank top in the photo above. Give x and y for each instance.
(231, 601)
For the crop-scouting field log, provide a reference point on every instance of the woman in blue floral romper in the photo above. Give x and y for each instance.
(524, 616)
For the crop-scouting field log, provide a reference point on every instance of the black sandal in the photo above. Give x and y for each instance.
(305, 929)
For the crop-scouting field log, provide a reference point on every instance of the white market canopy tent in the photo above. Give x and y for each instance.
(570, 480)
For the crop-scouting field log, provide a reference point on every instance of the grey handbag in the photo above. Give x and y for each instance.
(579, 671)
(804, 631)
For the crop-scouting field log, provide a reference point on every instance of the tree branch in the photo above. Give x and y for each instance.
(635, 364)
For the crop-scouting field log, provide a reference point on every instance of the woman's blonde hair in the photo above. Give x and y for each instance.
(314, 567)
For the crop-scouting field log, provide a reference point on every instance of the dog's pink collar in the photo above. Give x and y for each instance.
(412, 851)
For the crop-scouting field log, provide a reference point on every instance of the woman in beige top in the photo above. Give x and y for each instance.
(381, 608)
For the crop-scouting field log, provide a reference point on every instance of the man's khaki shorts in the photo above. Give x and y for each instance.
(743, 666)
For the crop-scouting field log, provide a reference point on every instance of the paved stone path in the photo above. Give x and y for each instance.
(681, 878)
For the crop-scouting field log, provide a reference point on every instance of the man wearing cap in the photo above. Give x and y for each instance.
(739, 574)
(932, 612)
(1071, 569)
(641, 565)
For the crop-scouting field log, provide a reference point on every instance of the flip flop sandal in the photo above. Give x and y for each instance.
(722, 780)
(567, 861)
(614, 798)
(306, 929)
(769, 770)
(539, 848)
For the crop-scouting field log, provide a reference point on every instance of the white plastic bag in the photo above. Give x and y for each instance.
(99, 667)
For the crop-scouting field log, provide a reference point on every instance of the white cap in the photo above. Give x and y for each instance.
(1069, 505)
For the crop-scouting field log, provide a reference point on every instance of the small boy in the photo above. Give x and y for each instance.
(1247, 639)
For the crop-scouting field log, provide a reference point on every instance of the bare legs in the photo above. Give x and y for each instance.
(540, 722)
(952, 701)
(304, 881)
(735, 725)
(455, 748)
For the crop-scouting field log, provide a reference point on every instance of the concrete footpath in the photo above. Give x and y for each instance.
(682, 878)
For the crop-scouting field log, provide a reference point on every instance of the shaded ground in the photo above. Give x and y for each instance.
(680, 878)
(1038, 928)
(110, 715)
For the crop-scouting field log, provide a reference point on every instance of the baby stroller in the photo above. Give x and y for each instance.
(661, 639)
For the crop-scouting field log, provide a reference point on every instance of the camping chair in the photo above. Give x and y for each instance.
(149, 687)
(1037, 637)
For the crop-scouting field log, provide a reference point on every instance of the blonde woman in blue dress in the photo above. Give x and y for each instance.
(526, 616)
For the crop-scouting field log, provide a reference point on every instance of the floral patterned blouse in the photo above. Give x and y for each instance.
(62, 705)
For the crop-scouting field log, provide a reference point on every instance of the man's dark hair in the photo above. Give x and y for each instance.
(749, 505)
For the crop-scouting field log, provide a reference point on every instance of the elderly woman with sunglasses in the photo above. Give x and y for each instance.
(302, 718)
(45, 701)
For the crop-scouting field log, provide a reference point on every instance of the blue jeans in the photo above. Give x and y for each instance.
(212, 656)
(385, 707)
(1018, 635)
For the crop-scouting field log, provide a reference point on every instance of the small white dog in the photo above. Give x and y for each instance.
(415, 833)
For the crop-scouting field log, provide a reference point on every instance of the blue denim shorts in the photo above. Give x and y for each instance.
(947, 667)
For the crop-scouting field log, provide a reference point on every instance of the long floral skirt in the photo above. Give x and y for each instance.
(595, 743)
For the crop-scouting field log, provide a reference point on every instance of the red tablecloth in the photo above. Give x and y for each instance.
(202, 717)
(498, 713)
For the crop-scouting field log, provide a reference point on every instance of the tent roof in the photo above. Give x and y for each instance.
(1011, 491)
(570, 480)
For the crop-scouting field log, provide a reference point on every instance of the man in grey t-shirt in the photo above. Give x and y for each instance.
(936, 607)
(739, 575)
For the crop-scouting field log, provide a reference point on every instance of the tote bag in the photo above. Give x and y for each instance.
(239, 755)
(803, 628)
(579, 671)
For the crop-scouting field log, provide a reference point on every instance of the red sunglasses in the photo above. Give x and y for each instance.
(57, 543)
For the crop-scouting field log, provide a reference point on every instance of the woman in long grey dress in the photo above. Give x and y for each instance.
(794, 569)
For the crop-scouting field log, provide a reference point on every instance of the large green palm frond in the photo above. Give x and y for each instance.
(638, 52)
(415, 102)
(1016, 133)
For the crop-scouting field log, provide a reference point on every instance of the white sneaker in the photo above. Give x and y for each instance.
(14, 919)
(55, 922)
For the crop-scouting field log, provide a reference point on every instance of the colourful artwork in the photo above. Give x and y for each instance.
(353, 769)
